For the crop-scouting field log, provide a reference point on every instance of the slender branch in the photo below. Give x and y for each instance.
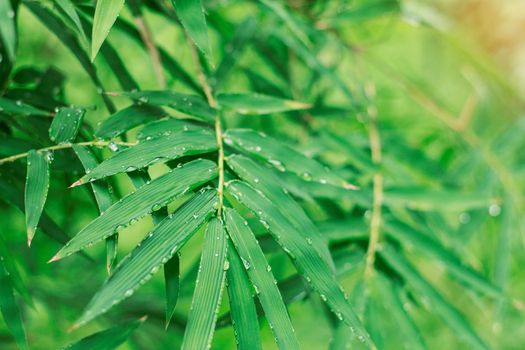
(375, 222)
(218, 126)
(65, 146)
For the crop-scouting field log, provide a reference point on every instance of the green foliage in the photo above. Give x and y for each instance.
(262, 153)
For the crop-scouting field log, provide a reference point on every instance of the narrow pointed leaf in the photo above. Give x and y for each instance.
(162, 128)
(258, 104)
(439, 305)
(279, 10)
(407, 235)
(106, 13)
(8, 32)
(19, 107)
(107, 339)
(172, 285)
(192, 105)
(262, 279)
(146, 199)
(267, 182)
(69, 9)
(191, 15)
(281, 156)
(242, 307)
(126, 119)
(65, 125)
(160, 245)
(208, 289)
(306, 259)
(9, 307)
(173, 146)
(37, 185)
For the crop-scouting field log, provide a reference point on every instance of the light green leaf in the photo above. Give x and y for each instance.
(443, 200)
(439, 305)
(165, 127)
(172, 285)
(262, 279)
(250, 103)
(268, 182)
(19, 107)
(242, 307)
(106, 13)
(208, 289)
(191, 15)
(148, 152)
(126, 119)
(8, 25)
(278, 9)
(37, 185)
(282, 157)
(108, 339)
(9, 308)
(305, 258)
(192, 105)
(65, 125)
(151, 253)
(424, 243)
(69, 9)
(146, 199)
(358, 13)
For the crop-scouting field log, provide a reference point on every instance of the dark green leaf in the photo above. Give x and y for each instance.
(65, 125)
(172, 285)
(37, 185)
(126, 119)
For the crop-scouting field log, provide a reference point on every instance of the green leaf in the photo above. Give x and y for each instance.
(65, 125)
(173, 146)
(37, 185)
(106, 13)
(267, 182)
(191, 15)
(443, 200)
(172, 285)
(192, 105)
(350, 229)
(439, 305)
(242, 307)
(8, 25)
(424, 243)
(282, 157)
(9, 308)
(152, 252)
(279, 10)
(250, 103)
(108, 339)
(19, 107)
(208, 289)
(10, 267)
(162, 128)
(305, 258)
(262, 279)
(146, 199)
(126, 119)
(69, 9)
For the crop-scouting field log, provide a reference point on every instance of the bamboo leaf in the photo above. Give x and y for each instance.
(191, 15)
(267, 182)
(295, 27)
(408, 236)
(69, 9)
(161, 244)
(165, 127)
(19, 107)
(192, 105)
(282, 157)
(262, 279)
(245, 103)
(106, 13)
(37, 185)
(148, 152)
(126, 119)
(439, 305)
(9, 308)
(208, 288)
(146, 199)
(8, 25)
(65, 125)
(242, 307)
(107, 339)
(172, 285)
(306, 259)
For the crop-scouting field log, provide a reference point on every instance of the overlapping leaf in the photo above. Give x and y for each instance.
(126, 119)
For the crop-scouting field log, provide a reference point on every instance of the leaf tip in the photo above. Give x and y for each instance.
(349, 186)
(56, 257)
(76, 183)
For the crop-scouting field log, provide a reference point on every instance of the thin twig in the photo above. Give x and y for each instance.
(218, 126)
(64, 146)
